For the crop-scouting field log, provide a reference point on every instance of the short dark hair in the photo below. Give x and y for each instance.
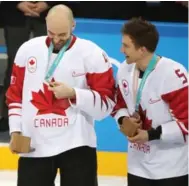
(142, 33)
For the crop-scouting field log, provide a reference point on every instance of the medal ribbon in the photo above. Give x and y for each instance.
(57, 59)
(148, 70)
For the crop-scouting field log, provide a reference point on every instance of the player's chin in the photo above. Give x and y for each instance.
(129, 61)
(57, 47)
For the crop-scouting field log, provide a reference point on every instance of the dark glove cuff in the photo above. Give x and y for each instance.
(155, 134)
(120, 120)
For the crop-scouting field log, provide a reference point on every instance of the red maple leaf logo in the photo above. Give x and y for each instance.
(46, 102)
(124, 85)
(146, 123)
(32, 62)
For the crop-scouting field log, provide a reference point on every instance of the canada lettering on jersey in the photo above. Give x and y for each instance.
(143, 147)
(53, 122)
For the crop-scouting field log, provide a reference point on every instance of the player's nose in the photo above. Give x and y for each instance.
(56, 40)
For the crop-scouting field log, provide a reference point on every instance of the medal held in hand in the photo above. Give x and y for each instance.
(21, 144)
(136, 115)
(128, 127)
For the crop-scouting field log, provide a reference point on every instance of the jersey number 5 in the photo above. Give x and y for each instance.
(181, 75)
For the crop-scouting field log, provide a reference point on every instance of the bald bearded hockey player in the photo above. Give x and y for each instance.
(152, 110)
(59, 121)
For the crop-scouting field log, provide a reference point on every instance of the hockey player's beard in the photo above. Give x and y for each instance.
(58, 46)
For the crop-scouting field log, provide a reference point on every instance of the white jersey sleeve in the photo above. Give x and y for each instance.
(176, 96)
(120, 109)
(14, 92)
(98, 100)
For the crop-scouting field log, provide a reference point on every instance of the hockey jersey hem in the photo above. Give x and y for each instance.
(157, 177)
(51, 150)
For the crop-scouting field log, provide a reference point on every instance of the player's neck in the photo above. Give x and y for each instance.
(143, 63)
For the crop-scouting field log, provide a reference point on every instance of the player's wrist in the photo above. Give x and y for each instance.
(73, 94)
(15, 133)
(154, 134)
(120, 120)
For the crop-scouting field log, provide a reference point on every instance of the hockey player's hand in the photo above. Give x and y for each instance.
(130, 125)
(140, 137)
(61, 90)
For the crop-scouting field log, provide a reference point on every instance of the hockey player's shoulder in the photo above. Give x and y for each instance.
(88, 47)
(87, 43)
(171, 66)
(34, 43)
(125, 67)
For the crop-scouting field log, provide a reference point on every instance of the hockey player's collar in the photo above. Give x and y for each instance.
(48, 41)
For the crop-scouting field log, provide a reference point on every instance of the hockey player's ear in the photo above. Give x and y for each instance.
(73, 26)
(143, 50)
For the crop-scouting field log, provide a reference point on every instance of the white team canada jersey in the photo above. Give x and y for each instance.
(57, 125)
(164, 102)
